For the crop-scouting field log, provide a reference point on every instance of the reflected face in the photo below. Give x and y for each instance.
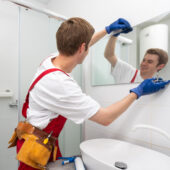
(149, 65)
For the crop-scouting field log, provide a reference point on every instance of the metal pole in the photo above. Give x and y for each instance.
(41, 10)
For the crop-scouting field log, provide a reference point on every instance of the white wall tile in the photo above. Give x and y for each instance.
(151, 110)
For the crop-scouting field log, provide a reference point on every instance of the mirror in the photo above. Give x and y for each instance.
(131, 48)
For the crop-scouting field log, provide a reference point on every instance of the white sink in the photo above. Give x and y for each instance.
(101, 154)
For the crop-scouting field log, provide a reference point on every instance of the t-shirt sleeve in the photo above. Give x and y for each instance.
(78, 106)
(122, 72)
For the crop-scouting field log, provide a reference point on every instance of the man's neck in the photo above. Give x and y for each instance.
(65, 63)
(147, 76)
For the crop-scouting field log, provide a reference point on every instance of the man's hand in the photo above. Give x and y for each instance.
(149, 86)
(120, 24)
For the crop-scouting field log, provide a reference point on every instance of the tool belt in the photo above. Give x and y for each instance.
(37, 147)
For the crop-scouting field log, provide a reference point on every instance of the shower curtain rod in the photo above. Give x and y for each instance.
(34, 7)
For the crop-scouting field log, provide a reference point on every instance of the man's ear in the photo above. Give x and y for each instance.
(160, 67)
(82, 47)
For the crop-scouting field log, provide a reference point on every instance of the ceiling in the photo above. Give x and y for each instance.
(43, 1)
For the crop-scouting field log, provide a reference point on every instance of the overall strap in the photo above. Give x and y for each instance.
(25, 105)
(134, 77)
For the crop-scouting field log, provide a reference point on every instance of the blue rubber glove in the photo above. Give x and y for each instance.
(120, 24)
(149, 86)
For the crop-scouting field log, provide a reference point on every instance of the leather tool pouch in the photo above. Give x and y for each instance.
(33, 151)
(13, 141)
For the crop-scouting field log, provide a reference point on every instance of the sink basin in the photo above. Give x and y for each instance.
(108, 154)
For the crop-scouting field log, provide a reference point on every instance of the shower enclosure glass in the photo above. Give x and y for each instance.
(37, 41)
(8, 81)
(27, 38)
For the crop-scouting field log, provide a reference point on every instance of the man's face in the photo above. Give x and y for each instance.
(149, 65)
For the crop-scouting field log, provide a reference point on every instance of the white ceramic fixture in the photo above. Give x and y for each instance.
(111, 154)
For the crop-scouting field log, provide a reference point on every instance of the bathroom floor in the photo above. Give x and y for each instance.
(57, 165)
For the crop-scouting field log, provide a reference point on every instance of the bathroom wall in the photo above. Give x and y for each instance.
(151, 110)
(101, 13)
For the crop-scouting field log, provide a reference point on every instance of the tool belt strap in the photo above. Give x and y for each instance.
(27, 128)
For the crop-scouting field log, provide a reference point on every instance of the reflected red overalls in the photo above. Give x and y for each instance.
(134, 77)
(55, 125)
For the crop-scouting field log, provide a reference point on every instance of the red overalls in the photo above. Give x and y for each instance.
(134, 77)
(55, 125)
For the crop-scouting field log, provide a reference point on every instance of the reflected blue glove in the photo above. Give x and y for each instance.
(149, 86)
(120, 24)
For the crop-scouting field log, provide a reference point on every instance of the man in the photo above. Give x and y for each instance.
(54, 96)
(154, 60)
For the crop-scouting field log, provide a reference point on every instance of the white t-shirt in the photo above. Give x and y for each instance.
(124, 72)
(56, 93)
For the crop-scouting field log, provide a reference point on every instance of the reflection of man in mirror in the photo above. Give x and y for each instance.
(154, 60)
